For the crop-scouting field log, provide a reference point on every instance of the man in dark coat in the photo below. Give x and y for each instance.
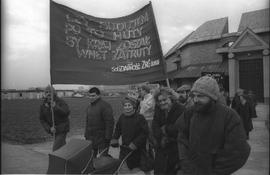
(253, 102)
(211, 137)
(165, 132)
(236, 99)
(61, 120)
(245, 112)
(134, 131)
(99, 122)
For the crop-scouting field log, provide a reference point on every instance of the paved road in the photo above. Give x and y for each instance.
(33, 159)
(258, 161)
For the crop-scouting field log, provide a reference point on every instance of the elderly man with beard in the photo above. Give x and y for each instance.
(164, 131)
(211, 138)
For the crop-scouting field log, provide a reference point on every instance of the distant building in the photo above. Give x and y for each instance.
(21, 94)
(242, 57)
(65, 93)
(31, 94)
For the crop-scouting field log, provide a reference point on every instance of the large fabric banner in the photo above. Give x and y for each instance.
(104, 51)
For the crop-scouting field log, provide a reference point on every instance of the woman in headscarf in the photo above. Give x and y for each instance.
(134, 131)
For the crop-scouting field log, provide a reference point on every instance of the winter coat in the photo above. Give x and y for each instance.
(61, 112)
(133, 129)
(245, 112)
(253, 103)
(99, 124)
(166, 143)
(213, 142)
(236, 102)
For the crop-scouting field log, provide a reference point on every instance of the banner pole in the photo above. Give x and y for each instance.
(51, 84)
(52, 112)
(168, 83)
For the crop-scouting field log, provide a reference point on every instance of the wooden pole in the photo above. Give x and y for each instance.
(51, 74)
(168, 83)
(52, 111)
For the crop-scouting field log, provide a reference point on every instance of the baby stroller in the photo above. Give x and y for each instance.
(76, 157)
(106, 164)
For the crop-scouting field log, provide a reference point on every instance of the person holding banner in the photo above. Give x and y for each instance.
(56, 124)
(99, 122)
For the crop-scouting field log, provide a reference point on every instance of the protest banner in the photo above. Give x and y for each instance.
(104, 51)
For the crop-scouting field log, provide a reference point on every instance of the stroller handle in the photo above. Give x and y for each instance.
(100, 153)
(121, 163)
(124, 159)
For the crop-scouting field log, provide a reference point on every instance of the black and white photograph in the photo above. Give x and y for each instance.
(145, 87)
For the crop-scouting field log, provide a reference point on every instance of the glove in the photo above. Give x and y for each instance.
(53, 130)
(163, 129)
(132, 146)
(164, 142)
(114, 143)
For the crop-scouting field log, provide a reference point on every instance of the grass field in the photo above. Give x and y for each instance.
(20, 118)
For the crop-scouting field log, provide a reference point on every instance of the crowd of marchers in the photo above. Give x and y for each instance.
(193, 130)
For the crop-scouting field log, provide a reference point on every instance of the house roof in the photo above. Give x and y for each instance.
(177, 46)
(192, 71)
(257, 20)
(209, 30)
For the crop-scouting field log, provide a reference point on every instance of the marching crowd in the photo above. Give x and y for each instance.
(195, 130)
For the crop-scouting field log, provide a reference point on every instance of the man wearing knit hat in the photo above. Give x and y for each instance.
(211, 138)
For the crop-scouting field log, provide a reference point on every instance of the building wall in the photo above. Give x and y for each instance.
(198, 53)
(171, 66)
(265, 37)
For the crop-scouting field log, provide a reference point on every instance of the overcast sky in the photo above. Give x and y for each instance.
(25, 29)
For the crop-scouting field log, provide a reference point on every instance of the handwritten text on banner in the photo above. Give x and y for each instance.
(93, 50)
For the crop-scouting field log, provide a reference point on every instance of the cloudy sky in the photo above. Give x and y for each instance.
(25, 29)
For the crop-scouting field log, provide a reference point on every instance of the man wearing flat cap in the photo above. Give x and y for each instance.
(211, 138)
(183, 92)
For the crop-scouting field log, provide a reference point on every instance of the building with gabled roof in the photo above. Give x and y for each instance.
(257, 21)
(242, 57)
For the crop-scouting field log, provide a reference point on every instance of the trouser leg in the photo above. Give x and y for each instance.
(60, 140)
